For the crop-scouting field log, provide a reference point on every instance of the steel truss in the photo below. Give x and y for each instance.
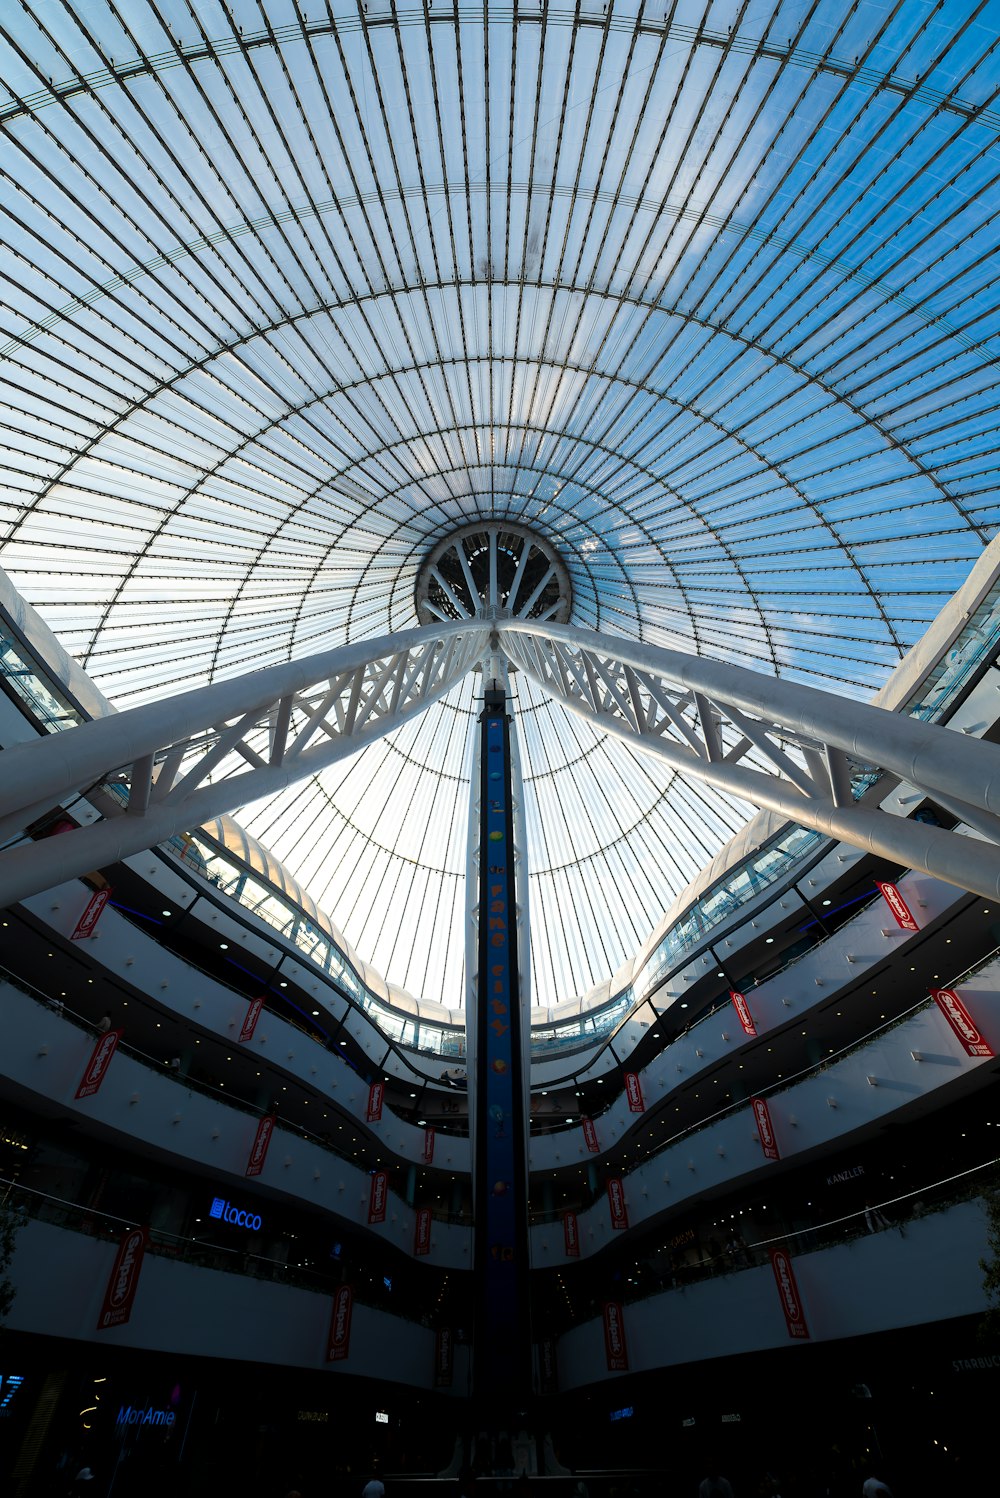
(804, 753)
(175, 764)
(809, 755)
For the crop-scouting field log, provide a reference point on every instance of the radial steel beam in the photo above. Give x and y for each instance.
(804, 753)
(174, 764)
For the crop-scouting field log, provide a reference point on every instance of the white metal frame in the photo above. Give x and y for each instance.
(792, 749)
(180, 762)
(798, 751)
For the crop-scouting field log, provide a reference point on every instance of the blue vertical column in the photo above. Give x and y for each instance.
(502, 1334)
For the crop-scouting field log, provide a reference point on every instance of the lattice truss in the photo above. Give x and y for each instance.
(690, 729)
(175, 764)
(795, 750)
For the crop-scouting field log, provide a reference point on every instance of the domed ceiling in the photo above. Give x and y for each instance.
(703, 294)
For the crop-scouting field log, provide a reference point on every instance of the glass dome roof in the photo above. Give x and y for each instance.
(704, 294)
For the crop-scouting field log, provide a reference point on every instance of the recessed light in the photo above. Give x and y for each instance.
(168, 912)
(223, 946)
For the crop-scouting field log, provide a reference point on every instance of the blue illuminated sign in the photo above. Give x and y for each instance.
(9, 1385)
(225, 1212)
(625, 1413)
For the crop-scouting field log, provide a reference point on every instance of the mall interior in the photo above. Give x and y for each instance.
(500, 723)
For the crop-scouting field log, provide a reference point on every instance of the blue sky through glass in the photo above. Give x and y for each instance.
(706, 294)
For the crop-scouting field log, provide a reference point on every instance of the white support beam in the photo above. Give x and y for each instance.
(789, 748)
(195, 756)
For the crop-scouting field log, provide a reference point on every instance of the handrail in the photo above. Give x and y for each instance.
(815, 1068)
(189, 1249)
(982, 630)
(193, 1084)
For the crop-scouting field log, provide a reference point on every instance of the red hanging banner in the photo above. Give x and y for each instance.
(960, 1020)
(901, 911)
(378, 1195)
(614, 1337)
(376, 1095)
(250, 1022)
(262, 1140)
(616, 1201)
(590, 1135)
(338, 1343)
(120, 1294)
(633, 1091)
(91, 915)
(98, 1064)
(443, 1361)
(743, 1012)
(422, 1231)
(571, 1235)
(428, 1146)
(765, 1128)
(788, 1290)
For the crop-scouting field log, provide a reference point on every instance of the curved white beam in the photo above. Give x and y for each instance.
(796, 750)
(180, 762)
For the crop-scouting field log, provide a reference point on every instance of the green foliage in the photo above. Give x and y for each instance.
(12, 1219)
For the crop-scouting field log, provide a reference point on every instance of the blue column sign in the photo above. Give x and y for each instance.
(502, 1340)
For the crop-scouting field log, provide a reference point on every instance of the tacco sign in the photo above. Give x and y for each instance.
(225, 1212)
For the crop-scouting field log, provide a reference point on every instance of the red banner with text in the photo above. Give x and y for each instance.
(616, 1201)
(743, 1012)
(614, 1337)
(338, 1343)
(97, 1066)
(590, 1135)
(902, 913)
(788, 1292)
(376, 1096)
(633, 1091)
(428, 1146)
(91, 915)
(960, 1020)
(571, 1235)
(261, 1143)
(422, 1231)
(252, 1016)
(765, 1128)
(378, 1196)
(122, 1285)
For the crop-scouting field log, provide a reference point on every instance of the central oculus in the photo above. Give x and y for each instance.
(493, 570)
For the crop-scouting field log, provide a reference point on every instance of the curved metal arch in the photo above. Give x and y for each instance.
(787, 244)
(393, 373)
(649, 304)
(212, 49)
(656, 480)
